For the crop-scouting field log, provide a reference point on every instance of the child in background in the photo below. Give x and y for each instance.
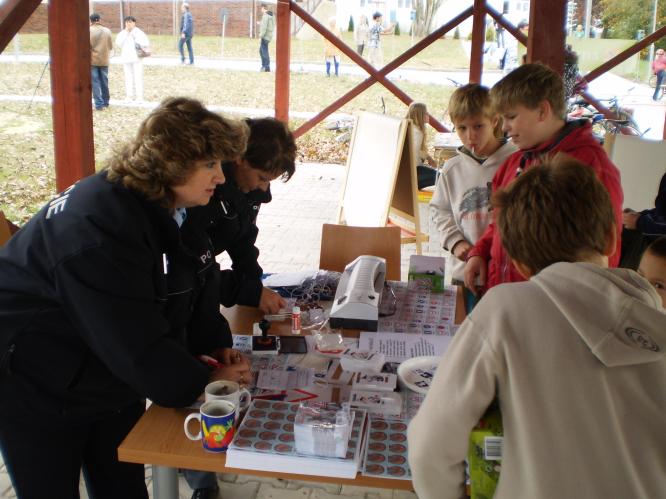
(331, 52)
(418, 113)
(460, 204)
(531, 102)
(375, 54)
(575, 357)
(653, 266)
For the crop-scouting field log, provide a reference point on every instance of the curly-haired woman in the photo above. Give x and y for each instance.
(105, 301)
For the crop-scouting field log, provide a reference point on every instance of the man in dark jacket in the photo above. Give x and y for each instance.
(231, 219)
(186, 33)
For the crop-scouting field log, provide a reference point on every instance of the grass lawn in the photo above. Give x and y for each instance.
(443, 54)
(26, 141)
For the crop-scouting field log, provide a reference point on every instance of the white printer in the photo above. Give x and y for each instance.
(359, 292)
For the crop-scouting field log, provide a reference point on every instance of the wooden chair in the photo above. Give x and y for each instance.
(5, 233)
(341, 244)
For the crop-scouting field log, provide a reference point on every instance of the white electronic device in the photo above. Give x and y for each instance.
(356, 303)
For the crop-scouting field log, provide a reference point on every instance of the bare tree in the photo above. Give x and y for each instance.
(425, 15)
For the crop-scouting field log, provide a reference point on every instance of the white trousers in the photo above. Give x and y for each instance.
(376, 56)
(134, 80)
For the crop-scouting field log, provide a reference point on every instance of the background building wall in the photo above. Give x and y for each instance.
(157, 17)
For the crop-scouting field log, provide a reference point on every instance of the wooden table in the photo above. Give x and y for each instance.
(158, 437)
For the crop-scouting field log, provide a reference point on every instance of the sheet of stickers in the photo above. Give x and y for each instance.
(268, 427)
(386, 449)
(420, 311)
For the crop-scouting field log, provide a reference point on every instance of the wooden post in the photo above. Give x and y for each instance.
(478, 40)
(71, 91)
(544, 18)
(282, 54)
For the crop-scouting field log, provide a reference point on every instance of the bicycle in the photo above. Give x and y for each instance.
(653, 84)
(622, 123)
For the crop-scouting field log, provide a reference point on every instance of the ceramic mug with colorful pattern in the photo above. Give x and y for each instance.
(216, 425)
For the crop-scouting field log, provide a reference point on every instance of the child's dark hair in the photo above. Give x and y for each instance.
(376, 15)
(658, 247)
(130, 18)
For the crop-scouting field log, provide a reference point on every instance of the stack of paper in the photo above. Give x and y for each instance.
(265, 441)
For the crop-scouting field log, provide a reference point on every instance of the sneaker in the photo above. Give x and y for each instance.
(206, 493)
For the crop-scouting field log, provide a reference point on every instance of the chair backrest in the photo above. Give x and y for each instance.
(341, 244)
(5, 234)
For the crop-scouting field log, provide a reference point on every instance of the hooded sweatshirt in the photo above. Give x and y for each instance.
(575, 140)
(575, 357)
(460, 204)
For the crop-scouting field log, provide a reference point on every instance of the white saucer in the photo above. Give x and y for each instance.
(417, 373)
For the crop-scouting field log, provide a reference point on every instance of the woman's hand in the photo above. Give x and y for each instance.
(240, 373)
(230, 356)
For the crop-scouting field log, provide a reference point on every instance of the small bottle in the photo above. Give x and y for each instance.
(296, 320)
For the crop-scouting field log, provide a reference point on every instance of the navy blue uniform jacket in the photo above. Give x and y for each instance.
(103, 301)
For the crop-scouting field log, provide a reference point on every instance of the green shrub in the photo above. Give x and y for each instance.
(350, 28)
(456, 34)
(397, 29)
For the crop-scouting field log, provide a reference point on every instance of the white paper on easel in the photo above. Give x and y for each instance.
(398, 347)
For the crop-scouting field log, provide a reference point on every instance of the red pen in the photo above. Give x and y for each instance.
(212, 362)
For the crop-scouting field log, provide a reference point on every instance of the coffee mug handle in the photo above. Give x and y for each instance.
(197, 416)
(244, 399)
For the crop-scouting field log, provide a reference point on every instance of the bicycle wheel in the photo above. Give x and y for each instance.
(652, 81)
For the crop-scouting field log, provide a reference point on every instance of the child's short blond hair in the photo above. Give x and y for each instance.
(470, 101)
(529, 85)
(558, 211)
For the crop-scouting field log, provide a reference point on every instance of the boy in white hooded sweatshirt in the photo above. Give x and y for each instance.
(460, 203)
(575, 357)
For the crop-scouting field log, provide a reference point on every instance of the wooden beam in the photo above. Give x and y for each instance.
(375, 75)
(13, 15)
(71, 91)
(626, 54)
(282, 55)
(547, 48)
(478, 40)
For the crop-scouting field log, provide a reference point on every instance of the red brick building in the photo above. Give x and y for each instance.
(158, 17)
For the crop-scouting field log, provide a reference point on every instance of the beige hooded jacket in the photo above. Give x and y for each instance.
(576, 358)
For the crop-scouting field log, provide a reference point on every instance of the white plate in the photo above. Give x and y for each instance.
(417, 373)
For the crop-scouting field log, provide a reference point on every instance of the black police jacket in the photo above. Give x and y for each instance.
(103, 301)
(231, 218)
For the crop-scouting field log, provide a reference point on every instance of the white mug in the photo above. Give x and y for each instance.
(231, 391)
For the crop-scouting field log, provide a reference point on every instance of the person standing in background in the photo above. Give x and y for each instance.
(375, 54)
(659, 69)
(101, 43)
(361, 34)
(266, 29)
(186, 33)
(331, 52)
(127, 40)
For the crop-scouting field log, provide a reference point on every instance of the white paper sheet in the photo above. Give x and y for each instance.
(398, 347)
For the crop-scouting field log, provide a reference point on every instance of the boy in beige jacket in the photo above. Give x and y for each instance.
(574, 355)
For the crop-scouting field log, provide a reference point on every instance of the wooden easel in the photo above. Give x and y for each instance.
(381, 187)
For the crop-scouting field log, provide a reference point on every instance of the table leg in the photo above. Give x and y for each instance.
(165, 482)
